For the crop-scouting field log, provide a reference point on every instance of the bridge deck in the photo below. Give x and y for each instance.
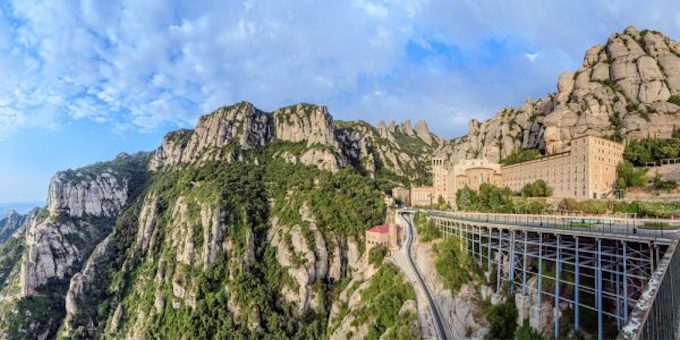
(631, 230)
(602, 265)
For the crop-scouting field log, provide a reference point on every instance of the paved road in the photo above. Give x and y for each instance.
(434, 310)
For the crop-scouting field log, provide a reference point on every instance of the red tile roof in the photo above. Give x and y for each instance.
(381, 229)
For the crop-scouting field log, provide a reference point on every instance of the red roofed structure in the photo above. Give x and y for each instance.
(385, 235)
(381, 229)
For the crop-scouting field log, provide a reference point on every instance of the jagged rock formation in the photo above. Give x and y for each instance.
(78, 194)
(9, 224)
(55, 241)
(352, 315)
(622, 90)
(328, 145)
(81, 206)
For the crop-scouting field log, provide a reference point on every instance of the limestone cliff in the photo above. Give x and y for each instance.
(81, 209)
(54, 242)
(324, 143)
(9, 224)
(623, 89)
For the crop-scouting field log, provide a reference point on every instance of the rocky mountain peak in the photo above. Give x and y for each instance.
(305, 122)
(623, 89)
(405, 127)
(328, 145)
(9, 224)
(79, 193)
(423, 132)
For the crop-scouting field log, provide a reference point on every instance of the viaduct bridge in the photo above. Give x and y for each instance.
(617, 278)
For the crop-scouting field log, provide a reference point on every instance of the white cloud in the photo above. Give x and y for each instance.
(532, 56)
(150, 64)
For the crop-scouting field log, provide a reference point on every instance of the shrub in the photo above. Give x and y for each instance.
(521, 155)
(587, 206)
(531, 206)
(466, 199)
(454, 265)
(660, 183)
(502, 321)
(656, 225)
(675, 99)
(537, 189)
(442, 205)
(377, 254)
(427, 231)
(494, 199)
(629, 176)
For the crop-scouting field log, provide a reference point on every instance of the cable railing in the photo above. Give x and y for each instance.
(664, 229)
(656, 315)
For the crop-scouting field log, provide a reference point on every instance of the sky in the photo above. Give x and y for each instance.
(84, 80)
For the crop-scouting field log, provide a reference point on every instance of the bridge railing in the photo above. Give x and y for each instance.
(656, 315)
(650, 228)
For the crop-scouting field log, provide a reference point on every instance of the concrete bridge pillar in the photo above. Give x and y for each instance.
(523, 303)
(538, 317)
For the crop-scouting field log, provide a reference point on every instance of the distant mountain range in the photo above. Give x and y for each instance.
(20, 207)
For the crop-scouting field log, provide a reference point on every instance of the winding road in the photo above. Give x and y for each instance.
(434, 308)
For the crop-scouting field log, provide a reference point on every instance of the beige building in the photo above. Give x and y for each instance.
(587, 170)
(385, 235)
(468, 172)
(422, 196)
(402, 194)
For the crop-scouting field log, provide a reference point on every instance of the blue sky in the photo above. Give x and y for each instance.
(84, 80)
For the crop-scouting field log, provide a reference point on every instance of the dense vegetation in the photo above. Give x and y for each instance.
(251, 193)
(377, 254)
(502, 318)
(628, 176)
(656, 209)
(640, 152)
(381, 301)
(43, 312)
(10, 256)
(455, 265)
(521, 155)
(427, 231)
(490, 198)
(537, 189)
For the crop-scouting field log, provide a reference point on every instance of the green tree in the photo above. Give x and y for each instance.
(502, 321)
(628, 176)
(377, 254)
(521, 155)
(454, 265)
(659, 183)
(466, 199)
(494, 199)
(537, 189)
(442, 205)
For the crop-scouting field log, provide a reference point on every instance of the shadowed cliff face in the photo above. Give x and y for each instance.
(623, 89)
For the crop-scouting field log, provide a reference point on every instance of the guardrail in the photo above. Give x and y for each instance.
(592, 224)
(656, 315)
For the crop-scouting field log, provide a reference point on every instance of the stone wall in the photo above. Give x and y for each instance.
(667, 171)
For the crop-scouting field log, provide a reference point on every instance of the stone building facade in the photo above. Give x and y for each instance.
(587, 170)
(402, 194)
(385, 235)
(422, 196)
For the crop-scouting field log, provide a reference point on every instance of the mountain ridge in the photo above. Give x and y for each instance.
(626, 88)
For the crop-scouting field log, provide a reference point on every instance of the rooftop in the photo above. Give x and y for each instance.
(380, 229)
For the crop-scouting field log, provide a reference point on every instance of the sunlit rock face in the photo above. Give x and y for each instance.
(622, 90)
